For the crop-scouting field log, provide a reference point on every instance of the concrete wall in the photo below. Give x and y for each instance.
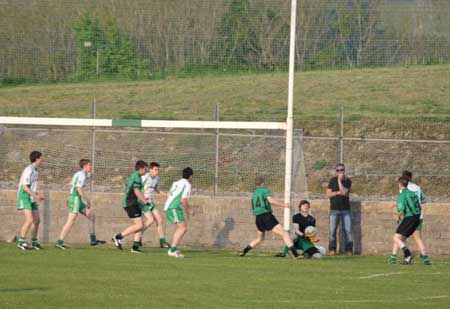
(226, 222)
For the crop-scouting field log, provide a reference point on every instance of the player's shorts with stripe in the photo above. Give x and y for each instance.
(175, 215)
(266, 222)
(76, 204)
(26, 203)
(148, 207)
(133, 211)
(408, 226)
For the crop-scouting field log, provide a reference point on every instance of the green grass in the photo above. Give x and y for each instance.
(108, 278)
(377, 93)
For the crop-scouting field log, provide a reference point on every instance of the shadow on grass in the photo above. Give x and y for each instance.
(20, 290)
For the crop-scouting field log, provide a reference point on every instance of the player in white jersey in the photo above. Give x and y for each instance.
(177, 202)
(79, 203)
(417, 233)
(150, 182)
(27, 201)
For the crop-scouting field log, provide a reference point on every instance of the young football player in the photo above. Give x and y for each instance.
(177, 202)
(417, 233)
(150, 182)
(262, 202)
(27, 201)
(408, 208)
(131, 203)
(302, 240)
(79, 203)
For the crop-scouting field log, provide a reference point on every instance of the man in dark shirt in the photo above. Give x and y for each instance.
(338, 192)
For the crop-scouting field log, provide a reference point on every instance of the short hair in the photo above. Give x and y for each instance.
(302, 202)
(340, 165)
(140, 164)
(403, 181)
(84, 162)
(259, 180)
(34, 156)
(187, 172)
(154, 164)
(407, 174)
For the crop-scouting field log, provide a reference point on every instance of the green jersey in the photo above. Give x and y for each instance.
(260, 204)
(133, 182)
(409, 203)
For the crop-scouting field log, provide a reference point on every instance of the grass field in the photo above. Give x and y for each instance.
(379, 92)
(107, 278)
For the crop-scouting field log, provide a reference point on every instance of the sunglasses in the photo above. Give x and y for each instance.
(340, 170)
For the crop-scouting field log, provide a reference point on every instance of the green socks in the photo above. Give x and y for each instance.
(406, 251)
(162, 240)
(173, 249)
(393, 258)
(21, 240)
(426, 259)
(135, 244)
(34, 242)
(285, 250)
(93, 238)
(60, 242)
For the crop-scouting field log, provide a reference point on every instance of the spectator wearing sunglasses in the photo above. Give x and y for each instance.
(338, 192)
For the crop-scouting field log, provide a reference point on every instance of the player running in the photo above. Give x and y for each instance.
(150, 182)
(408, 208)
(177, 201)
(265, 221)
(301, 239)
(27, 201)
(131, 204)
(417, 233)
(79, 203)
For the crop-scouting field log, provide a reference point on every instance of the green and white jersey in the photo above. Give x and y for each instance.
(260, 204)
(408, 202)
(78, 181)
(29, 178)
(133, 182)
(418, 191)
(180, 189)
(151, 185)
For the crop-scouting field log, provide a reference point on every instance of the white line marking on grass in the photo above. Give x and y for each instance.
(381, 275)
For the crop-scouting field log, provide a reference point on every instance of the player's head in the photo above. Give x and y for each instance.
(188, 173)
(402, 182)
(154, 168)
(36, 158)
(141, 167)
(408, 175)
(86, 165)
(340, 169)
(259, 181)
(304, 206)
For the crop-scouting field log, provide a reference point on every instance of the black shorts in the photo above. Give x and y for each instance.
(311, 251)
(133, 211)
(408, 226)
(266, 222)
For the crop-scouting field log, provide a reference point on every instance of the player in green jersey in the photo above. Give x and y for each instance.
(132, 201)
(27, 202)
(262, 202)
(79, 203)
(408, 208)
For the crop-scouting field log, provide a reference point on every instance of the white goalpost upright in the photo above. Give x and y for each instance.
(289, 119)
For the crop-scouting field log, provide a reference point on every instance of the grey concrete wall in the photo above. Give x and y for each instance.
(227, 222)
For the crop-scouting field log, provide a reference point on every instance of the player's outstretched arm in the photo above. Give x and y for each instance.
(275, 202)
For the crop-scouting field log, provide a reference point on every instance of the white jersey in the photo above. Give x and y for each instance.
(29, 178)
(150, 185)
(180, 189)
(418, 191)
(78, 181)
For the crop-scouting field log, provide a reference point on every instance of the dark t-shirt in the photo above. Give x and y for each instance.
(303, 222)
(339, 202)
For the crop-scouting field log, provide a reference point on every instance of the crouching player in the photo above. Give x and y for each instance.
(131, 203)
(302, 240)
(265, 221)
(177, 201)
(408, 208)
(79, 204)
(150, 182)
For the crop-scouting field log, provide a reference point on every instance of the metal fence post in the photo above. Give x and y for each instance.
(341, 136)
(93, 110)
(216, 175)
